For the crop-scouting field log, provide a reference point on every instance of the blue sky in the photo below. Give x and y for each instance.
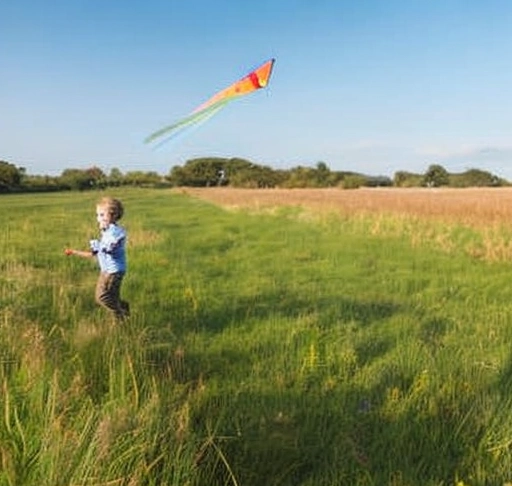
(373, 86)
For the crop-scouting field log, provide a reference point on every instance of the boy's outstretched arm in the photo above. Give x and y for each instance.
(80, 253)
(95, 246)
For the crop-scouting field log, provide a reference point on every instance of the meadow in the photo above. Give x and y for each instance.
(291, 338)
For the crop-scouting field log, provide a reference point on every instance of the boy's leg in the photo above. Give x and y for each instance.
(125, 307)
(108, 289)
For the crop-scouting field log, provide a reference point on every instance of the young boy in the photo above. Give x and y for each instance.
(111, 255)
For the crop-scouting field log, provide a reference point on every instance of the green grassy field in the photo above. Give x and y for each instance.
(263, 349)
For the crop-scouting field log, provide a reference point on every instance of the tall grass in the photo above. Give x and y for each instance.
(263, 349)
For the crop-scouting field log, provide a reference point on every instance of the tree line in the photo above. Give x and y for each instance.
(237, 172)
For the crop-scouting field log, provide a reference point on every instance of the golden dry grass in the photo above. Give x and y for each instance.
(479, 207)
(425, 217)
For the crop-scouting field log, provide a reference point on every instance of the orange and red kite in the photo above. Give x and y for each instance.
(253, 81)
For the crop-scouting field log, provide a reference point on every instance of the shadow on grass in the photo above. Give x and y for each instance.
(290, 438)
(252, 312)
(332, 310)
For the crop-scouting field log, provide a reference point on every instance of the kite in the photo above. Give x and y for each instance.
(253, 81)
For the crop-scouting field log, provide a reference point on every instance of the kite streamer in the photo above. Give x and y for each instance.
(253, 81)
(170, 132)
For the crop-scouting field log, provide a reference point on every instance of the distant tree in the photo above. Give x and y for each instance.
(400, 178)
(301, 177)
(353, 181)
(83, 179)
(140, 178)
(76, 179)
(237, 172)
(323, 175)
(233, 171)
(436, 176)
(177, 176)
(235, 164)
(115, 177)
(10, 176)
(407, 179)
(243, 173)
(97, 178)
(200, 172)
(476, 178)
(38, 183)
(378, 181)
(255, 176)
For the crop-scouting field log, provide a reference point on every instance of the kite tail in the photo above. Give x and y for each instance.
(170, 131)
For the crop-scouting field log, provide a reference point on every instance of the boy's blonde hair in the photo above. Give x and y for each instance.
(114, 207)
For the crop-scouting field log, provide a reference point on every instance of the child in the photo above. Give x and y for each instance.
(111, 255)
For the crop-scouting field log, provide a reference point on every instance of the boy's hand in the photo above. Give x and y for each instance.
(94, 246)
(68, 251)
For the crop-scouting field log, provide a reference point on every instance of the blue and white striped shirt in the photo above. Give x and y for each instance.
(110, 249)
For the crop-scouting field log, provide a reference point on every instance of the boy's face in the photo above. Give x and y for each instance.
(103, 217)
